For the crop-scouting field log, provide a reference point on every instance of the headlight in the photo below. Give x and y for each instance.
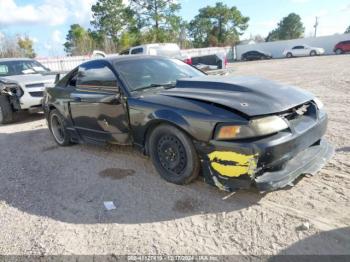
(319, 103)
(255, 128)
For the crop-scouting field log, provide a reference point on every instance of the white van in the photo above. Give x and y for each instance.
(211, 61)
(167, 49)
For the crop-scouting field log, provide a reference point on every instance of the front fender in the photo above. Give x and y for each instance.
(171, 117)
(143, 126)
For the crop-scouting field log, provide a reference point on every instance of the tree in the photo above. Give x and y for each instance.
(8, 46)
(19, 46)
(273, 36)
(290, 27)
(259, 39)
(347, 31)
(159, 16)
(112, 18)
(79, 41)
(217, 25)
(25, 45)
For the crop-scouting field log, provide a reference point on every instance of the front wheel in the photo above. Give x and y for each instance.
(338, 51)
(313, 53)
(6, 112)
(289, 55)
(173, 155)
(57, 126)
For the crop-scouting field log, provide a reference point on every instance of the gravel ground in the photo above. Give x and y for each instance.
(51, 198)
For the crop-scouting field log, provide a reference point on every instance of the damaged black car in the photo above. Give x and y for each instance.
(237, 132)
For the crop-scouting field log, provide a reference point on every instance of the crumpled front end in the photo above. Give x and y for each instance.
(228, 167)
(13, 91)
(270, 162)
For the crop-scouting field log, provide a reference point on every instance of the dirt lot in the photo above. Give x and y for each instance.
(51, 198)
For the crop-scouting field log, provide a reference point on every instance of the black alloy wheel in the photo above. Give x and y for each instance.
(58, 128)
(173, 154)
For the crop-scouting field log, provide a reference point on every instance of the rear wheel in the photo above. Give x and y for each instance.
(173, 155)
(289, 55)
(338, 51)
(58, 128)
(6, 112)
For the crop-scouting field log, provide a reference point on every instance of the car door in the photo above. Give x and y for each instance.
(258, 55)
(305, 51)
(253, 55)
(346, 46)
(297, 50)
(98, 108)
(246, 55)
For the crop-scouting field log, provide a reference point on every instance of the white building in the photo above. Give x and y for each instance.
(276, 48)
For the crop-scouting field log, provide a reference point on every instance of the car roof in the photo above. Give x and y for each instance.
(120, 58)
(15, 59)
(256, 50)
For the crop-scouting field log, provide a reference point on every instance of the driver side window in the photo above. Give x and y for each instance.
(97, 76)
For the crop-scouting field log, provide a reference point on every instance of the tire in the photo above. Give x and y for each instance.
(313, 53)
(58, 128)
(173, 155)
(289, 55)
(6, 112)
(338, 51)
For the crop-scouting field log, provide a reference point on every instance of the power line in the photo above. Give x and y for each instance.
(315, 26)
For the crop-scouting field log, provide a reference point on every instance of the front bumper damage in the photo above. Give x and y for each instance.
(13, 92)
(268, 163)
(308, 161)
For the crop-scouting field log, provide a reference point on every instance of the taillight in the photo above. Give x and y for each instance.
(188, 61)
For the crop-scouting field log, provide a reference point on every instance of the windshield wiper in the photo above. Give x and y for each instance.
(165, 86)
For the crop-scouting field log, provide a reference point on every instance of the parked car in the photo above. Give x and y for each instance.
(239, 131)
(210, 61)
(163, 49)
(342, 47)
(303, 50)
(22, 83)
(255, 55)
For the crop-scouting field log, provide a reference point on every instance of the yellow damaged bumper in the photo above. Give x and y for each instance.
(232, 164)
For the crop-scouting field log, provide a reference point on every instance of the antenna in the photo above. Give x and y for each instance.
(316, 25)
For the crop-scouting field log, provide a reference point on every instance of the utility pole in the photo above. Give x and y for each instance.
(315, 26)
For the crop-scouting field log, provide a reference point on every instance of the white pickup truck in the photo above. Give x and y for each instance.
(22, 83)
(209, 61)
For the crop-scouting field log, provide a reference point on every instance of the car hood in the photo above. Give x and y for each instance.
(31, 79)
(252, 96)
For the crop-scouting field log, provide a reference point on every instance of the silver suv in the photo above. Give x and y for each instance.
(22, 83)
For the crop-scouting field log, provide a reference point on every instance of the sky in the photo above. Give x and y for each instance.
(47, 22)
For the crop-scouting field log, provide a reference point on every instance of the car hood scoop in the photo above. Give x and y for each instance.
(252, 96)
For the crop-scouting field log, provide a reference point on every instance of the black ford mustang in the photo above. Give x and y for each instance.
(236, 131)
